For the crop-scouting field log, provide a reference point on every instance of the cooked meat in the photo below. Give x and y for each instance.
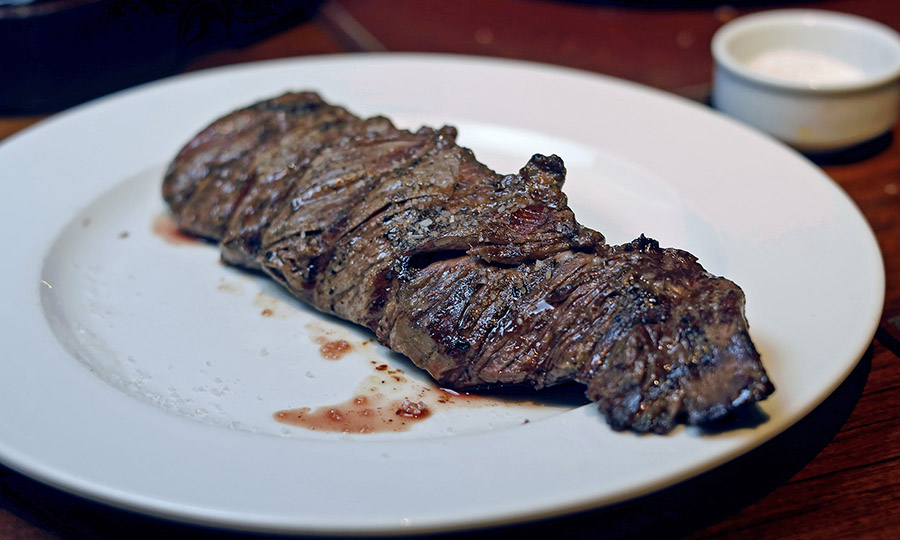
(479, 278)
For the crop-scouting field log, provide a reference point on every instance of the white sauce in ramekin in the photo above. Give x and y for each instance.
(805, 66)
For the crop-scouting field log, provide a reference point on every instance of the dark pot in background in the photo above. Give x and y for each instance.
(57, 53)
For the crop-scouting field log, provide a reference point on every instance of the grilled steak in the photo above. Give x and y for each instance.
(479, 278)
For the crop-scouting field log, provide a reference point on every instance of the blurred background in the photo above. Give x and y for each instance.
(58, 53)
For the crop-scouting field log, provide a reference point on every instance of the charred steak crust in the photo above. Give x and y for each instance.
(479, 278)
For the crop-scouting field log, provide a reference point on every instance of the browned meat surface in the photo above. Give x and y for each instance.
(479, 278)
(212, 173)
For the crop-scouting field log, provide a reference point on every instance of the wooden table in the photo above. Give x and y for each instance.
(834, 475)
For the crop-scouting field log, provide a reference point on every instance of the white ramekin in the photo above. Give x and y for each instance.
(809, 115)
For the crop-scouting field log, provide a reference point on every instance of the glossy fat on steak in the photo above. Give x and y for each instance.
(479, 278)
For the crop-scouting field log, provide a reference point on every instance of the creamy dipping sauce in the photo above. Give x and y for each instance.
(805, 66)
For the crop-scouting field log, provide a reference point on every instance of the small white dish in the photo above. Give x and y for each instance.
(820, 81)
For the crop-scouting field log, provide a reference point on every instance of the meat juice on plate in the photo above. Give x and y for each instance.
(394, 396)
(164, 227)
(387, 400)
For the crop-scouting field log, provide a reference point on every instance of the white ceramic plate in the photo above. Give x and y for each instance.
(144, 374)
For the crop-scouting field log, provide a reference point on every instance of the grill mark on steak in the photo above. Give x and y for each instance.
(275, 172)
(479, 278)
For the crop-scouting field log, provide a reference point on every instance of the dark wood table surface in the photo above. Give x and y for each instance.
(836, 474)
